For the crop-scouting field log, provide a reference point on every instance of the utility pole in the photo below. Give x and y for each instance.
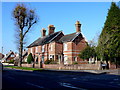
(2, 50)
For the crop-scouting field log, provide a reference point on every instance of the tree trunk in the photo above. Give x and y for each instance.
(20, 55)
(116, 62)
(21, 48)
(107, 67)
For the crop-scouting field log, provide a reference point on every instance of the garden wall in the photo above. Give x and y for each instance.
(67, 67)
(74, 67)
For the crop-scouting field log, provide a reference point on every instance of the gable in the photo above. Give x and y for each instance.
(78, 39)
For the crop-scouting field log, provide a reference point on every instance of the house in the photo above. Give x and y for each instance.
(24, 56)
(57, 46)
(1, 56)
(10, 56)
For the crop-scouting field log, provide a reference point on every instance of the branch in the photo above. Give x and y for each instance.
(28, 28)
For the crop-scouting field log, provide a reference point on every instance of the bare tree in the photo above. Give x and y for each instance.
(24, 20)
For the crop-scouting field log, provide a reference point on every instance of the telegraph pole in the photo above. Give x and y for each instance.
(2, 50)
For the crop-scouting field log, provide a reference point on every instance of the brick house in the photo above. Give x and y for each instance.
(57, 46)
(1, 56)
(10, 56)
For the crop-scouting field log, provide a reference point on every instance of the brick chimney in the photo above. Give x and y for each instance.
(51, 29)
(43, 32)
(78, 26)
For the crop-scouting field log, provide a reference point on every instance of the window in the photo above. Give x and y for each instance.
(12, 55)
(36, 49)
(75, 59)
(65, 59)
(51, 47)
(51, 57)
(31, 50)
(65, 46)
(43, 48)
(36, 60)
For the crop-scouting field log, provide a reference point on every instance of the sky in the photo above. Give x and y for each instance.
(62, 15)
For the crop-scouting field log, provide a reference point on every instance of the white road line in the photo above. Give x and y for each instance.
(70, 86)
(11, 78)
(34, 85)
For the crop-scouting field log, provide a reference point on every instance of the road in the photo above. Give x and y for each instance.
(13, 79)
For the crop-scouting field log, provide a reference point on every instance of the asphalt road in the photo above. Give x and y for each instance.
(16, 79)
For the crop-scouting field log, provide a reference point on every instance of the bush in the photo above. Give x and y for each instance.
(75, 63)
(30, 58)
(47, 61)
(11, 61)
(50, 62)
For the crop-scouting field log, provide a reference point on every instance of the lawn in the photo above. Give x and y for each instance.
(23, 68)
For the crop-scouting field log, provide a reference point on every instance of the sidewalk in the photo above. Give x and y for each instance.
(113, 71)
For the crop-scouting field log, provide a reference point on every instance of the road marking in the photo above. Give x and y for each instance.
(99, 84)
(116, 79)
(11, 78)
(70, 86)
(74, 78)
(34, 85)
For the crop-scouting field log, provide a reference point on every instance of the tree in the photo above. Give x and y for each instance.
(109, 40)
(30, 58)
(24, 21)
(88, 52)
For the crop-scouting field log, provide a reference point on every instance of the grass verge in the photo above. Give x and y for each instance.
(23, 68)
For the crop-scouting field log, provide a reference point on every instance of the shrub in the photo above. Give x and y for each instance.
(50, 62)
(47, 61)
(11, 61)
(75, 63)
(30, 58)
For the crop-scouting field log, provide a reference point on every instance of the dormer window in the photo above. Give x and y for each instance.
(65, 46)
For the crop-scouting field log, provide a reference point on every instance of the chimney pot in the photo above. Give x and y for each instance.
(78, 26)
(43, 32)
(51, 29)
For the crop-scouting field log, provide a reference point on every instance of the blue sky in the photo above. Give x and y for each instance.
(62, 15)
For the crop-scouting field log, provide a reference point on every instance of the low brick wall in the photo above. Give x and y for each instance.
(37, 66)
(73, 67)
(67, 67)
(27, 65)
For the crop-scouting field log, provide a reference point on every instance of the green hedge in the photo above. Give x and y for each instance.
(30, 58)
(50, 62)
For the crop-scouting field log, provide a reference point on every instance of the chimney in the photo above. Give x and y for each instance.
(78, 26)
(51, 29)
(43, 32)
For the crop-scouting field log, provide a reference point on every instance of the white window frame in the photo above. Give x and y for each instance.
(31, 50)
(75, 58)
(43, 48)
(51, 57)
(65, 59)
(36, 49)
(65, 46)
(12, 55)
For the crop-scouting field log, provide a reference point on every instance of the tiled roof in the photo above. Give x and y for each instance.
(44, 40)
(25, 53)
(11, 52)
(69, 37)
(1, 56)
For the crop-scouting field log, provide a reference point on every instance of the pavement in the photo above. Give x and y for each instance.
(110, 71)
